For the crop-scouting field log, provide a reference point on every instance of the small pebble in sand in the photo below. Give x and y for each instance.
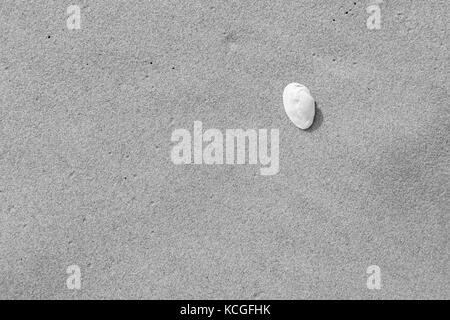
(299, 105)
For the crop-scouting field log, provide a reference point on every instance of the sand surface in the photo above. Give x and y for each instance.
(86, 178)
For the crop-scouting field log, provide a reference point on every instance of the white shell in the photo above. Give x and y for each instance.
(299, 105)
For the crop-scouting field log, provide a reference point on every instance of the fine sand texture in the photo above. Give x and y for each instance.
(86, 177)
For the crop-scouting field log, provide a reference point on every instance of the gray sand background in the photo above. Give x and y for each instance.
(86, 178)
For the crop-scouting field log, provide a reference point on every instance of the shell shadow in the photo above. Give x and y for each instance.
(318, 119)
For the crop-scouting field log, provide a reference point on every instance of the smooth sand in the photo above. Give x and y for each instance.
(85, 173)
